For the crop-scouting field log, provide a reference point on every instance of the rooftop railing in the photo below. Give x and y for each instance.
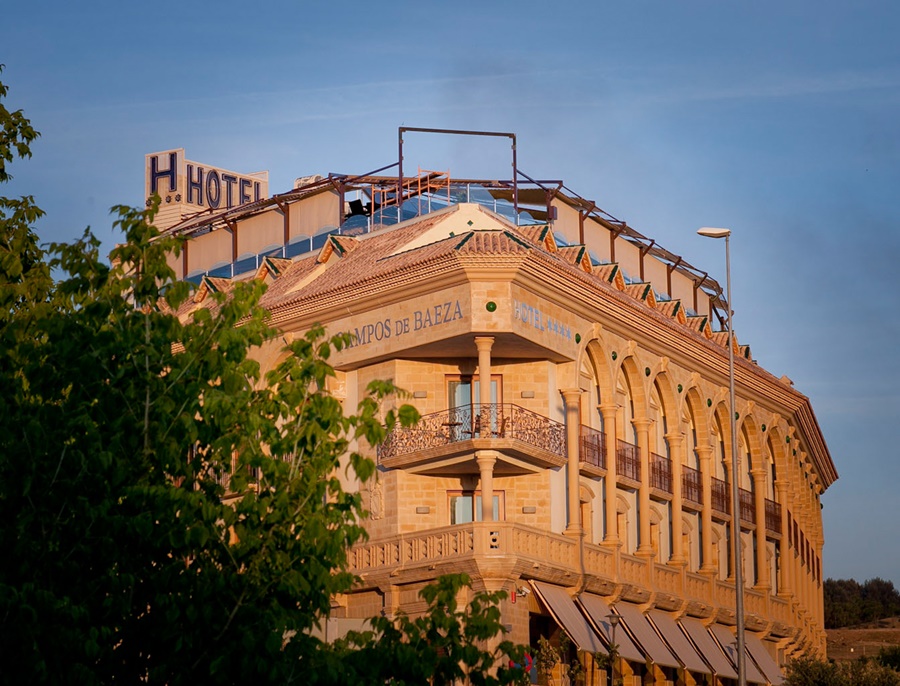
(496, 420)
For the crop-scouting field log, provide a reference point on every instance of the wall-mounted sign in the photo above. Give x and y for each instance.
(541, 320)
(192, 186)
(424, 318)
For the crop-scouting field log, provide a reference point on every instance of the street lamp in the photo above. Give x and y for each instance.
(613, 646)
(709, 232)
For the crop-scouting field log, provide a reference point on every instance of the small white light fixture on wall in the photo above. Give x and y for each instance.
(423, 509)
(529, 509)
(420, 394)
(527, 394)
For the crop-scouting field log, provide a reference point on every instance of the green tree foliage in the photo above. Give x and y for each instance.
(121, 561)
(848, 603)
(811, 672)
(449, 644)
(890, 657)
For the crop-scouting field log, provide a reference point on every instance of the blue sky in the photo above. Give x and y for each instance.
(780, 120)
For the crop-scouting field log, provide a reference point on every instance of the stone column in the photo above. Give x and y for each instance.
(571, 396)
(642, 427)
(785, 585)
(676, 454)
(759, 494)
(484, 345)
(486, 460)
(735, 517)
(704, 453)
(609, 412)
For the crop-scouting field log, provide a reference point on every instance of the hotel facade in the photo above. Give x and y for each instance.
(573, 379)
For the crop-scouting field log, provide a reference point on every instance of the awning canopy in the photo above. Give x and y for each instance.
(646, 635)
(679, 643)
(598, 611)
(728, 641)
(710, 650)
(569, 617)
(764, 660)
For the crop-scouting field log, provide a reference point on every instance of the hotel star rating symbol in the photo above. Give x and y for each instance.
(559, 329)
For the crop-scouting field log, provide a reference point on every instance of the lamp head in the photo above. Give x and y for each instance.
(613, 619)
(710, 232)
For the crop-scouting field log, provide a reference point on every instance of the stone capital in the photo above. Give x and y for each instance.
(484, 343)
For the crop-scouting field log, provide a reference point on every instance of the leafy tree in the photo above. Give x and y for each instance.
(447, 645)
(890, 657)
(121, 560)
(848, 602)
(812, 672)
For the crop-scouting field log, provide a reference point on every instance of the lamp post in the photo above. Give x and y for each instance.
(613, 646)
(709, 232)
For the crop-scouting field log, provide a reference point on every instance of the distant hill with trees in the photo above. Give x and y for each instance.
(849, 603)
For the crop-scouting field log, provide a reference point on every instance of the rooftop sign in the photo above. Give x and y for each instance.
(188, 187)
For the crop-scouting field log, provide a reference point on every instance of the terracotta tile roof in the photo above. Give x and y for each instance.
(643, 292)
(721, 337)
(577, 255)
(540, 235)
(494, 242)
(700, 324)
(356, 267)
(396, 256)
(672, 308)
(281, 264)
(611, 274)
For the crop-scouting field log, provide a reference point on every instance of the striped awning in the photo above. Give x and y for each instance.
(728, 642)
(646, 635)
(678, 642)
(708, 648)
(763, 660)
(563, 609)
(598, 611)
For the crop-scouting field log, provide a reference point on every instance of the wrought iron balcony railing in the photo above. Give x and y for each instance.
(748, 507)
(773, 516)
(496, 420)
(592, 448)
(721, 498)
(660, 473)
(628, 460)
(691, 485)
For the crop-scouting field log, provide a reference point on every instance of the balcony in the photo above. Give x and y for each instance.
(628, 461)
(773, 517)
(464, 546)
(660, 474)
(592, 451)
(748, 506)
(458, 432)
(721, 501)
(691, 486)
(520, 551)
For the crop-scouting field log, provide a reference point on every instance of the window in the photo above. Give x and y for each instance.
(466, 416)
(465, 506)
(463, 391)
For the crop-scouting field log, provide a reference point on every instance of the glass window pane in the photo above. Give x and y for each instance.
(460, 393)
(478, 516)
(460, 509)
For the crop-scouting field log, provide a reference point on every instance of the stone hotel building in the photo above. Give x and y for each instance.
(572, 376)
